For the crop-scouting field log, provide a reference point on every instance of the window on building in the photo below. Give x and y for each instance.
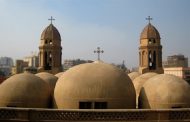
(100, 105)
(85, 105)
(176, 107)
(11, 106)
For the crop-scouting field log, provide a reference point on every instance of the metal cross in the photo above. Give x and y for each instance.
(149, 18)
(98, 51)
(51, 19)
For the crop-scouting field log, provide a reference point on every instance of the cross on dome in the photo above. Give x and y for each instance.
(98, 51)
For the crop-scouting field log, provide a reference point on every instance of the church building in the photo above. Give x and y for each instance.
(96, 91)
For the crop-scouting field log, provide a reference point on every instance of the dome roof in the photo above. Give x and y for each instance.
(94, 82)
(133, 75)
(49, 78)
(59, 74)
(24, 90)
(50, 32)
(139, 82)
(150, 32)
(165, 91)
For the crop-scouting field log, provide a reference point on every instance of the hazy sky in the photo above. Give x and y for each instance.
(114, 25)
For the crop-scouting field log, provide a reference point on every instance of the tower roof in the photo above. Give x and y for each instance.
(50, 32)
(150, 32)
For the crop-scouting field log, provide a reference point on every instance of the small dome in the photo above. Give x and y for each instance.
(150, 32)
(59, 74)
(94, 82)
(49, 78)
(165, 92)
(133, 75)
(140, 81)
(50, 33)
(24, 90)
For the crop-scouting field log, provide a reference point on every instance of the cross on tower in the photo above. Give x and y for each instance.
(98, 51)
(149, 18)
(51, 19)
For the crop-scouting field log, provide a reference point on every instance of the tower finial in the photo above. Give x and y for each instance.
(51, 19)
(149, 18)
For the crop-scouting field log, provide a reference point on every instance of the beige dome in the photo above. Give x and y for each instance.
(49, 78)
(139, 82)
(165, 91)
(133, 75)
(94, 82)
(50, 32)
(24, 90)
(150, 32)
(59, 74)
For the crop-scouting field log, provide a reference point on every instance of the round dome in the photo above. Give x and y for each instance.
(94, 84)
(49, 78)
(139, 82)
(165, 91)
(59, 74)
(50, 33)
(24, 90)
(133, 75)
(150, 32)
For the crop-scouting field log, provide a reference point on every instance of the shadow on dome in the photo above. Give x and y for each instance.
(143, 100)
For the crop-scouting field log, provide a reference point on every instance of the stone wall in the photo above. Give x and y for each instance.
(114, 115)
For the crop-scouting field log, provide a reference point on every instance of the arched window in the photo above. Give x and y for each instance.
(150, 60)
(149, 41)
(154, 41)
(46, 41)
(50, 42)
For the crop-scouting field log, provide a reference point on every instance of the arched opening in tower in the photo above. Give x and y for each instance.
(48, 61)
(152, 60)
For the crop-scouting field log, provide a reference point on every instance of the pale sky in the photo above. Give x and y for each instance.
(114, 25)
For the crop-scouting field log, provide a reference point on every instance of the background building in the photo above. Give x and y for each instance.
(176, 61)
(19, 66)
(6, 64)
(2, 76)
(33, 60)
(68, 63)
(177, 65)
(29, 64)
(182, 72)
(6, 61)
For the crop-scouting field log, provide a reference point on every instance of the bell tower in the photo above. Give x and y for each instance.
(50, 50)
(150, 50)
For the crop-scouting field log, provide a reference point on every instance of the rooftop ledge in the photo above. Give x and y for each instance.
(91, 115)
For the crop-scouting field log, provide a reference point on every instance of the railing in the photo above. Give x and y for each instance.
(119, 115)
